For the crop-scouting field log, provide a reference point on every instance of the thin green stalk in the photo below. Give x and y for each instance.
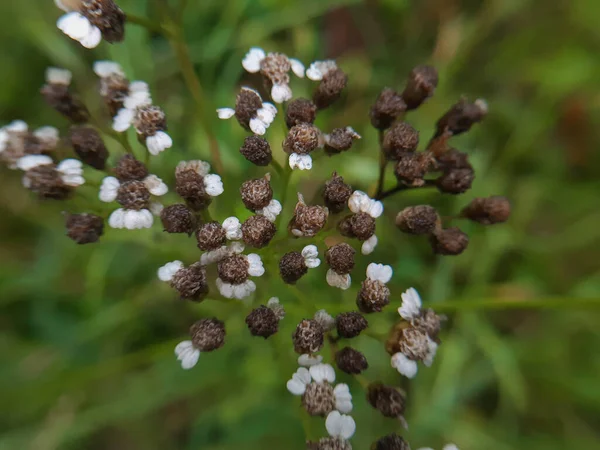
(285, 182)
(148, 24)
(510, 304)
(383, 162)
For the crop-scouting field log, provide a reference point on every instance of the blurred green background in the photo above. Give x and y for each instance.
(87, 332)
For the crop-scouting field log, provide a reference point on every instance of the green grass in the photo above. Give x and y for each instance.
(87, 332)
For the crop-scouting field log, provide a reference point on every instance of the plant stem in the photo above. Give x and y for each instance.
(285, 182)
(383, 162)
(148, 24)
(402, 187)
(277, 168)
(509, 304)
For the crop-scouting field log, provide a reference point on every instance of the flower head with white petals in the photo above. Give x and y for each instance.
(234, 271)
(340, 425)
(275, 68)
(319, 397)
(361, 224)
(250, 111)
(50, 180)
(207, 335)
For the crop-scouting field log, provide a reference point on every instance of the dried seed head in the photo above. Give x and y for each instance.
(340, 258)
(129, 169)
(257, 231)
(133, 195)
(107, 16)
(257, 150)
(89, 146)
(488, 211)
(308, 337)
(60, 98)
(300, 111)
(114, 89)
(453, 159)
(456, 181)
(351, 361)
(360, 226)
(84, 228)
(292, 267)
(461, 117)
(211, 236)
(256, 194)
(302, 139)
(308, 220)
(391, 442)
(178, 219)
(450, 241)
(275, 67)
(247, 103)
(340, 140)
(420, 85)
(429, 322)
(149, 120)
(414, 344)
(387, 400)
(318, 399)
(421, 219)
(189, 184)
(46, 181)
(330, 88)
(373, 296)
(191, 282)
(262, 321)
(330, 443)
(388, 106)
(400, 139)
(336, 193)
(350, 324)
(233, 269)
(208, 334)
(411, 168)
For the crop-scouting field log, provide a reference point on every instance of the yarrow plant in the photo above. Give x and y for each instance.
(241, 257)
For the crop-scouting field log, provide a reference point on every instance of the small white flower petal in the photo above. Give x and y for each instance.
(297, 67)
(341, 426)
(307, 360)
(214, 256)
(17, 126)
(225, 289)
(265, 115)
(428, 361)
(71, 171)
(325, 320)
(243, 290)
(61, 5)
(159, 142)
(270, 107)
(235, 247)
(313, 73)
(251, 61)
(202, 168)
(107, 68)
(55, 75)
(297, 384)
(233, 228)
(155, 185)
(411, 304)
(343, 398)
(334, 279)
(357, 202)
(375, 209)
(273, 301)
(322, 372)
(301, 162)
(117, 219)
(166, 272)
(30, 161)
(92, 39)
(109, 189)
(183, 346)
(213, 185)
(369, 245)
(225, 113)
(123, 120)
(135, 220)
(379, 272)
(258, 126)
(281, 93)
(311, 256)
(403, 365)
(187, 354)
(271, 211)
(49, 135)
(74, 25)
(255, 265)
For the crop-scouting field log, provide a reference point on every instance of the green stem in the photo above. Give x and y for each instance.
(383, 162)
(148, 24)
(285, 181)
(402, 187)
(500, 304)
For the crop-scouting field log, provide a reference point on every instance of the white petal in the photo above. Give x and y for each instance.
(61, 5)
(255, 268)
(137, 98)
(428, 361)
(309, 360)
(359, 202)
(166, 272)
(411, 304)
(251, 61)
(233, 228)
(450, 447)
(297, 67)
(403, 365)
(302, 162)
(313, 73)
(235, 247)
(265, 115)
(271, 211)
(155, 185)
(74, 25)
(71, 172)
(369, 245)
(202, 168)
(214, 256)
(54, 75)
(159, 142)
(183, 346)
(273, 301)
(297, 384)
(379, 272)
(156, 208)
(375, 209)
(92, 39)
(243, 290)
(30, 161)
(107, 68)
(343, 398)
(270, 107)
(122, 121)
(325, 320)
(318, 69)
(311, 256)
(49, 135)
(281, 93)
(213, 185)
(117, 219)
(334, 279)
(225, 113)
(258, 126)
(187, 354)
(339, 425)
(109, 189)
(73, 180)
(225, 289)
(135, 220)
(322, 372)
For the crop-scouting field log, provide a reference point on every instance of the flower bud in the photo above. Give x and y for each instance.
(456, 181)
(89, 146)
(247, 103)
(462, 116)
(256, 194)
(421, 219)
(400, 139)
(133, 195)
(388, 400)
(302, 139)
(233, 269)
(59, 97)
(351, 361)
(388, 106)
(211, 236)
(360, 226)
(107, 17)
(178, 219)
(262, 321)
(84, 228)
(450, 241)
(488, 211)
(191, 282)
(308, 337)
(300, 111)
(129, 169)
(46, 181)
(292, 267)
(373, 296)
(411, 168)
(336, 193)
(340, 140)
(391, 442)
(330, 88)
(453, 159)
(420, 85)
(149, 120)
(208, 334)
(318, 399)
(340, 258)
(350, 324)
(307, 220)
(189, 184)
(257, 231)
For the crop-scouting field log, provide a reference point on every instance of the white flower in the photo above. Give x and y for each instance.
(325, 320)
(334, 279)
(369, 245)
(131, 219)
(263, 117)
(340, 425)
(202, 168)
(320, 373)
(48, 135)
(233, 228)
(31, 161)
(281, 93)
(238, 291)
(225, 113)
(15, 127)
(138, 95)
(411, 304)
(311, 256)
(80, 29)
(109, 189)
(221, 253)
(71, 172)
(123, 120)
(403, 365)
(307, 360)
(379, 272)
(166, 272)
(155, 185)
(301, 162)
(297, 67)
(105, 69)
(255, 265)
(253, 58)
(158, 142)
(54, 75)
(360, 202)
(213, 185)
(317, 70)
(271, 211)
(187, 354)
